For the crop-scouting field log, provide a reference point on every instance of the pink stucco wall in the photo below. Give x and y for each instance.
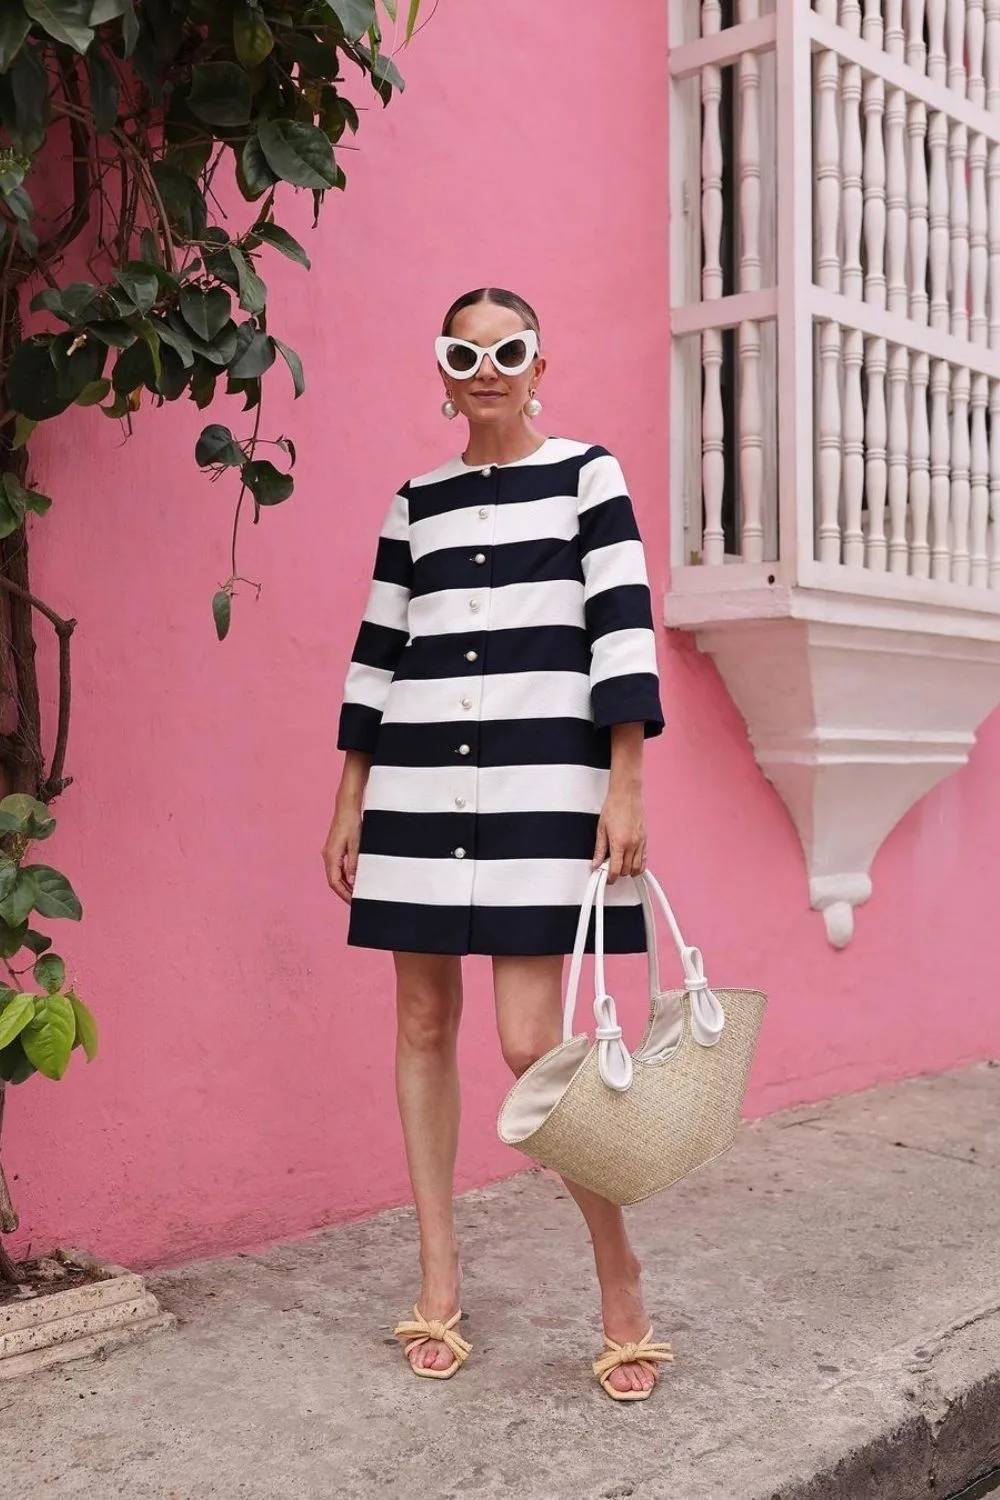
(244, 1090)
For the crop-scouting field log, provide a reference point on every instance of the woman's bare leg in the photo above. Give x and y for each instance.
(529, 1020)
(428, 1011)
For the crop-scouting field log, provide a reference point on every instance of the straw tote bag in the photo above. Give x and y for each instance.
(626, 1125)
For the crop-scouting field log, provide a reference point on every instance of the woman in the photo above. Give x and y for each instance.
(502, 685)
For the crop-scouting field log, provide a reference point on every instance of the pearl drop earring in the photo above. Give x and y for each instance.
(448, 409)
(532, 407)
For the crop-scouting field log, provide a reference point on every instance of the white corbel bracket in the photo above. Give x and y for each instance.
(855, 707)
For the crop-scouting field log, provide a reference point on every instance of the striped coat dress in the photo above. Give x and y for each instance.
(508, 626)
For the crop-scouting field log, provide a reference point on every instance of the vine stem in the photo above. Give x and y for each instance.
(54, 782)
(243, 488)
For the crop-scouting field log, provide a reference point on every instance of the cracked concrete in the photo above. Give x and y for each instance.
(832, 1292)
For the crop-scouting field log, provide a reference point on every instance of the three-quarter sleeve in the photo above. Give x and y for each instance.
(383, 634)
(624, 681)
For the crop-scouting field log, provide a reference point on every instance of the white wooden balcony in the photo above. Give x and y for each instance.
(836, 396)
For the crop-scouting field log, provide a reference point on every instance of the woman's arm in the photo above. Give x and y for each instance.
(625, 688)
(340, 852)
(621, 829)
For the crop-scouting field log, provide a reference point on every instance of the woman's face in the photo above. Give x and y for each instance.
(491, 397)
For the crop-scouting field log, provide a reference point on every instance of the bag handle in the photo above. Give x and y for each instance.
(707, 1015)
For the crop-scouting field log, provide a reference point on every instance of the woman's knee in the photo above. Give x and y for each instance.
(428, 1005)
(521, 1049)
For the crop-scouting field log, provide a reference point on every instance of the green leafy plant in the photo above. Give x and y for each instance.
(39, 1027)
(154, 119)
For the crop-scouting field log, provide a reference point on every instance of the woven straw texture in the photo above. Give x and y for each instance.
(677, 1115)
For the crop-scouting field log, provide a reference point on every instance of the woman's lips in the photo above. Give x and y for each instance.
(488, 395)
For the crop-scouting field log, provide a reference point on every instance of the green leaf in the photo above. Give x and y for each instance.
(48, 1038)
(14, 25)
(67, 302)
(33, 381)
(36, 941)
(355, 16)
(18, 502)
(78, 360)
(182, 199)
(294, 364)
(205, 313)
(86, 1027)
(29, 83)
(411, 20)
(133, 368)
(55, 897)
(8, 874)
(266, 484)
(107, 10)
(12, 938)
(33, 818)
(19, 903)
(218, 446)
(203, 381)
(66, 21)
(222, 613)
(113, 332)
(279, 239)
(50, 973)
(177, 341)
(94, 393)
(147, 332)
(384, 71)
(253, 291)
(103, 91)
(252, 36)
(221, 94)
(140, 284)
(257, 357)
(23, 428)
(253, 175)
(118, 409)
(14, 1066)
(14, 1017)
(298, 153)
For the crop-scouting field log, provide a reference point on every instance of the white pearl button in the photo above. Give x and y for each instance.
(480, 558)
(484, 514)
(466, 702)
(474, 605)
(488, 470)
(472, 655)
(459, 853)
(463, 749)
(459, 801)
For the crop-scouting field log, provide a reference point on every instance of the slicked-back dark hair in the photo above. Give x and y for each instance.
(500, 297)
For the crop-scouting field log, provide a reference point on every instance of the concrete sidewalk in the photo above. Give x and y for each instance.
(832, 1291)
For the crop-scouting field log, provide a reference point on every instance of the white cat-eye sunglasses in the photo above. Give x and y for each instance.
(511, 355)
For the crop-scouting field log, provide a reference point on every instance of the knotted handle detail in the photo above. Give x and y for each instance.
(614, 1059)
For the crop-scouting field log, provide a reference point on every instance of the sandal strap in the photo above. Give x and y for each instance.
(645, 1354)
(420, 1330)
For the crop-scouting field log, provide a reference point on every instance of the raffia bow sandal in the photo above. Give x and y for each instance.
(413, 1332)
(645, 1354)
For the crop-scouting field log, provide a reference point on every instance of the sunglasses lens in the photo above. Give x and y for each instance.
(459, 358)
(512, 354)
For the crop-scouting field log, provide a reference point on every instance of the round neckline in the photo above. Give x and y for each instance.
(511, 464)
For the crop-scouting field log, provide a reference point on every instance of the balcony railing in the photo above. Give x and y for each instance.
(837, 297)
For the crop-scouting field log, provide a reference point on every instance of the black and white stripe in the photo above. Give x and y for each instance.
(508, 626)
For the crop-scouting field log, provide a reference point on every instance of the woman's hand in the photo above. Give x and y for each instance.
(621, 829)
(621, 833)
(340, 852)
